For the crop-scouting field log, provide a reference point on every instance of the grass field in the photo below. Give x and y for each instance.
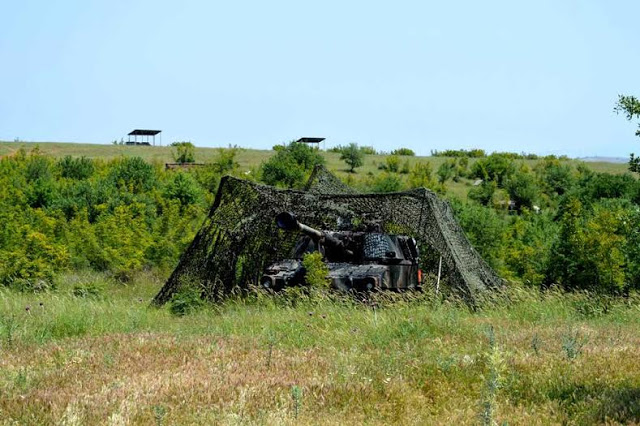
(110, 358)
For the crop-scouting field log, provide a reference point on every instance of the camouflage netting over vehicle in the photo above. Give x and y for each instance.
(239, 238)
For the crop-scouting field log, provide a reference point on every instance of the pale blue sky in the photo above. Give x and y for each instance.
(538, 76)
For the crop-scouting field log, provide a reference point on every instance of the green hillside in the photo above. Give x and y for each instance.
(252, 158)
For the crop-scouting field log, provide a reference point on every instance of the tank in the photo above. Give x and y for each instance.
(357, 260)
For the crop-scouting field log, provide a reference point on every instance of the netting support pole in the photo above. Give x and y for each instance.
(439, 273)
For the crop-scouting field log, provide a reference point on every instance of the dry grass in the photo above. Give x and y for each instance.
(114, 360)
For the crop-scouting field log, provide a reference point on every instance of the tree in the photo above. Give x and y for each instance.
(522, 189)
(291, 165)
(446, 171)
(497, 167)
(184, 152)
(630, 107)
(353, 156)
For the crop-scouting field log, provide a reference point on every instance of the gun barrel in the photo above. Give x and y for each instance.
(289, 222)
(313, 233)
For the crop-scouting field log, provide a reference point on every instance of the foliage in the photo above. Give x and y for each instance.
(630, 107)
(483, 193)
(496, 167)
(32, 265)
(225, 161)
(184, 152)
(133, 174)
(387, 182)
(403, 151)
(556, 178)
(420, 176)
(316, 271)
(522, 189)
(118, 216)
(473, 153)
(76, 168)
(368, 150)
(589, 252)
(186, 300)
(184, 188)
(485, 230)
(291, 165)
(126, 215)
(353, 156)
(446, 171)
(391, 164)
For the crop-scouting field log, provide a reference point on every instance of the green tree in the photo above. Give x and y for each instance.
(387, 182)
(483, 193)
(353, 156)
(589, 252)
(290, 166)
(497, 167)
(420, 175)
(184, 188)
(522, 189)
(446, 171)
(184, 152)
(403, 151)
(630, 107)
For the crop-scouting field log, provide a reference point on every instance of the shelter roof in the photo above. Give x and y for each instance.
(310, 140)
(144, 132)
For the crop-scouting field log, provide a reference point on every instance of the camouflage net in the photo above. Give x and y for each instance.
(239, 238)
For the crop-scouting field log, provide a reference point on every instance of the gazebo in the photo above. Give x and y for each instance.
(311, 141)
(150, 137)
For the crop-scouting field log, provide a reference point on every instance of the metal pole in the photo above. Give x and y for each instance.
(439, 272)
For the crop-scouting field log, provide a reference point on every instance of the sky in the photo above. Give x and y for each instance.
(502, 75)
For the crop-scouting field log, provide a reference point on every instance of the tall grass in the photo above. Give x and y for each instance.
(298, 358)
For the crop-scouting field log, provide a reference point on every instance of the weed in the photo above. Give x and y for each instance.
(536, 343)
(296, 394)
(8, 326)
(87, 291)
(159, 413)
(572, 344)
(186, 300)
(492, 380)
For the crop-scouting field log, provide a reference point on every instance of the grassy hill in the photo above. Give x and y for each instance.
(252, 158)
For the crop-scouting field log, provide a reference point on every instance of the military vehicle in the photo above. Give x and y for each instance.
(357, 260)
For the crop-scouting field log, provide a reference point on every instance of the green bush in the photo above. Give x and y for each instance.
(387, 182)
(184, 152)
(75, 168)
(403, 151)
(496, 167)
(483, 193)
(420, 176)
(316, 271)
(32, 265)
(353, 156)
(132, 174)
(290, 166)
(446, 171)
(184, 188)
(186, 300)
(391, 164)
(523, 190)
